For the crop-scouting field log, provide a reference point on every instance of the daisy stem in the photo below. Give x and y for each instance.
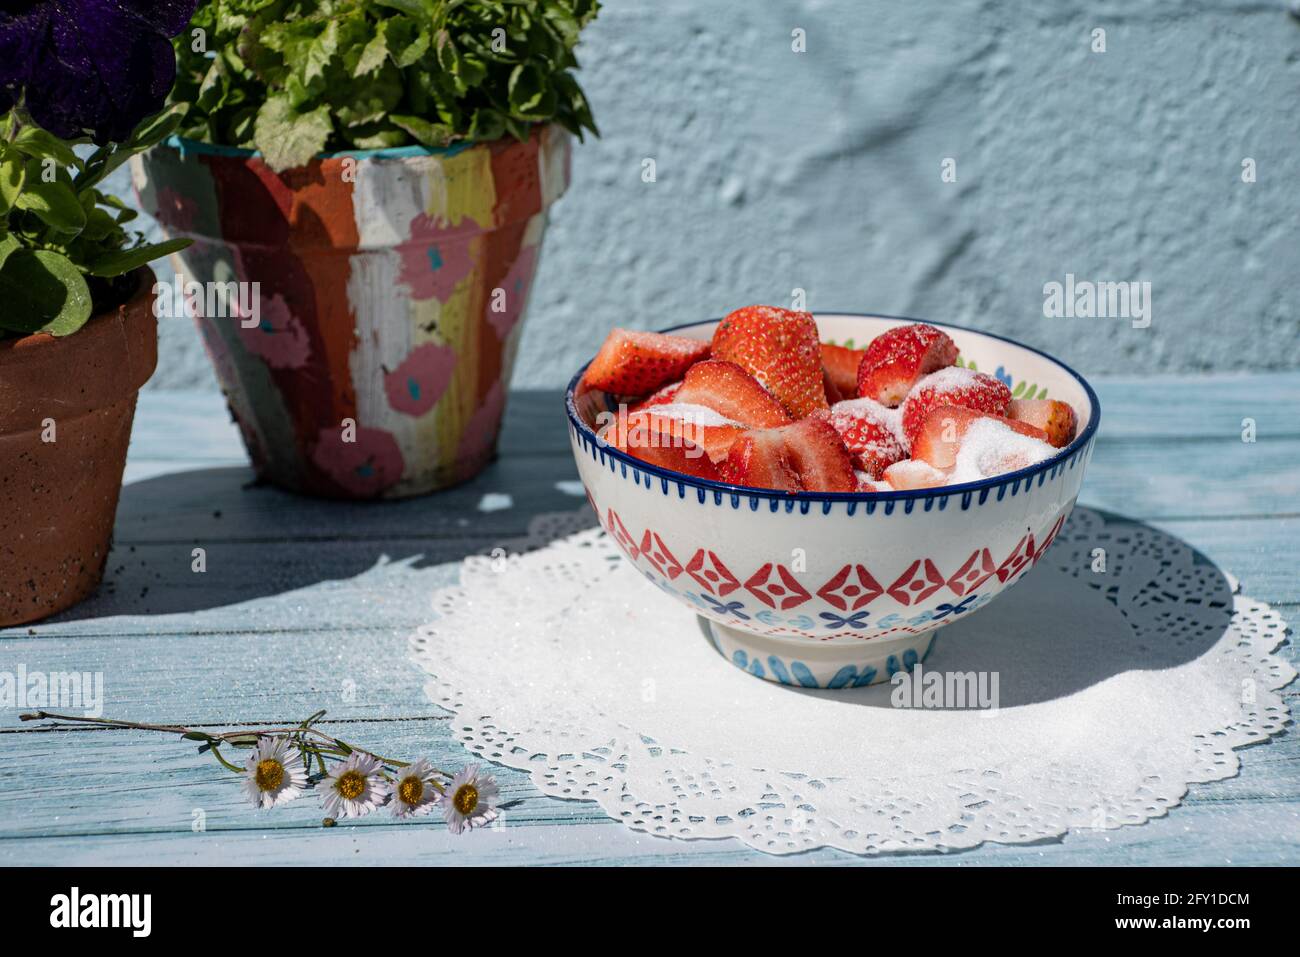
(216, 753)
(341, 748)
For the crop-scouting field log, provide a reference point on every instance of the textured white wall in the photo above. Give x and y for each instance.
(821, 170)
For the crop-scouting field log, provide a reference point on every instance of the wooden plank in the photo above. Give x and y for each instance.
(132, 798)
(1200, 406)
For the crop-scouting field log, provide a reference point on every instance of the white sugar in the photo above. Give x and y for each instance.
(692, 413)
(946, 380)
(990, 447)
(873, 411)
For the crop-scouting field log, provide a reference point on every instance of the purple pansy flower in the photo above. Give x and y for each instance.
(94, 67)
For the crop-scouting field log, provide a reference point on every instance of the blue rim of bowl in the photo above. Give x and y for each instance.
(719, 488)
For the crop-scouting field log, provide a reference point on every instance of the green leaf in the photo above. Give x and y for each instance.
(424, 132)
(1018, 391)
(321, 51)
(48, 193)
(12, 172)
(405, 40)
(373, 55)
(288, 138)
(378, 136)
(8, 245)
(525, 88)
(124, 260)
(42, 291)
(38, 144)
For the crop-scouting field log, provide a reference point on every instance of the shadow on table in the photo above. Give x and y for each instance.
(258, 541)
(1155, 604)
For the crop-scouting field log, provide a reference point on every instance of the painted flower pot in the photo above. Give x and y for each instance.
(66, 407)
(392, 285)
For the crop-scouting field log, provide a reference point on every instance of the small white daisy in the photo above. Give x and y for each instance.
(275, 773)
(354, 787)
(470, 800)
(413, 791)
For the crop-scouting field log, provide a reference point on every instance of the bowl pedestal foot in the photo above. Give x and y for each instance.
(810, 664)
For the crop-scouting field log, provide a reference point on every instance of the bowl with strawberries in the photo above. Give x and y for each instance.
(827, 491)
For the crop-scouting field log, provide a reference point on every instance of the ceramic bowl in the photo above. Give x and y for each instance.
(838, 590)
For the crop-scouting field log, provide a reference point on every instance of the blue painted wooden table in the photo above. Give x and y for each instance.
(308, 604)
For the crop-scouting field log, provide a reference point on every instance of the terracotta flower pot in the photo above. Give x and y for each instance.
(66, 407)
(393, 284)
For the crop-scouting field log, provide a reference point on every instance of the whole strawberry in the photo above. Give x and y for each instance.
(779, 348)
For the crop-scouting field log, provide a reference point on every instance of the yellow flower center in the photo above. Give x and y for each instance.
(269, 774)
(465, 799)
(351, 784)
(410, 790)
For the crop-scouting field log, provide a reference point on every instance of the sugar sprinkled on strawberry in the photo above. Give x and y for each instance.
(779, 348)
(871, 432)
(896, 358)
(807, 456)
(728, 389)
(991, 447)
(944, 428)
(952, 386)
(637, 363)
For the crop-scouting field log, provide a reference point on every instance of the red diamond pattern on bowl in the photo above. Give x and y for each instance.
(850, 589)
(783, 594)
(713, 576)
(621, 537)
(973, 573)
(860, 589)
(657, 554)
(1051, 537)
(917, 583)
(1020, 557)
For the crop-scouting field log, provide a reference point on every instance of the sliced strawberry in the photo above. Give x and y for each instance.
(637, 363)
(940, 435)
(895, 359)
(867, 484)
(819, 455)
(728, 389)
(779, 348)
(914, 474)
(953, 386)
(870, 431)
(662, 397)
(841, 364)
(641, 438)
(689, 425)
(759, 459)
(832, 391)
(806, 456)
(1055, 418)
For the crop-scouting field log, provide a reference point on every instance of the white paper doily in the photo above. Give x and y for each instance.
(1120, 682)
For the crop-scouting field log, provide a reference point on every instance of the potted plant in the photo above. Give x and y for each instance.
(77, 332)
(381, 170)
